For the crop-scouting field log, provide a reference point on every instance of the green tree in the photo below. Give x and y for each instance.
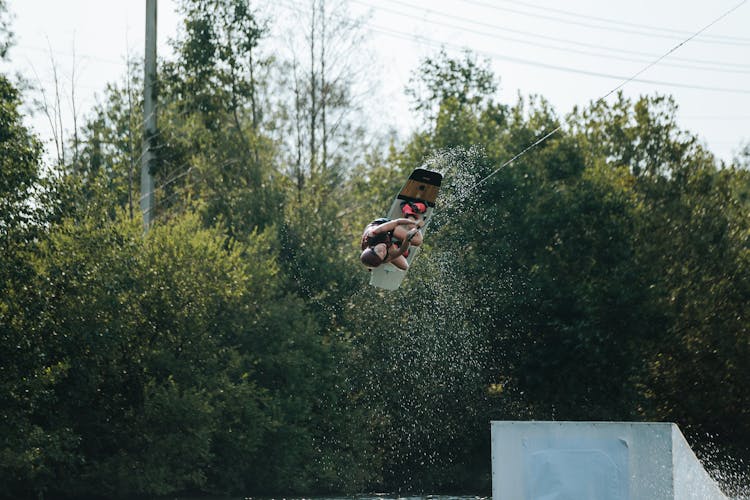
(212, 152)
(215, 158)
(465, 83)
(215, 153)
(691, 239)
(324, 141)
(456, 97)
(24, 211)
(171, 364)
(6, 35)
(134, 354)
(105, 176)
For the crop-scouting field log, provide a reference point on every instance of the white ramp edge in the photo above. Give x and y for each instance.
(596, 461)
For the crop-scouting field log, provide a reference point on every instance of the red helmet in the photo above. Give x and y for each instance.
(413, 208)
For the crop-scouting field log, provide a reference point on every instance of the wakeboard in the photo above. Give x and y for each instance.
(421, 186)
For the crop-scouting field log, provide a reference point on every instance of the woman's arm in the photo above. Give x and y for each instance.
(390, 225)
(392, 254)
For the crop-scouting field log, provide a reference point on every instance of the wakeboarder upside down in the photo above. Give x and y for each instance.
(390, 245)
(386, 240)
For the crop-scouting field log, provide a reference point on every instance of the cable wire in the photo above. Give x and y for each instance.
(615, 89)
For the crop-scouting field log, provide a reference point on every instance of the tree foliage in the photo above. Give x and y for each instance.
(236, 349)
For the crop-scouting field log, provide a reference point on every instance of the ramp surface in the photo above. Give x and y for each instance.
(596, 461)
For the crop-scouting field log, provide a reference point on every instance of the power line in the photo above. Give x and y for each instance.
(676, 47)
(465, 19)
(493, 55)
(741, 40)
(595, 54)
(535, 36)
(674, 33)
(716, 117)
(567, 69)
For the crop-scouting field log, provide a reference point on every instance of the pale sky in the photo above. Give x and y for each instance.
(570, 52)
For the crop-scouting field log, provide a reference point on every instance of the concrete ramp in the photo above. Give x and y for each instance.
(596, 461)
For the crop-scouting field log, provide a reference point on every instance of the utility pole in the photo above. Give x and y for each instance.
(149, 118)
